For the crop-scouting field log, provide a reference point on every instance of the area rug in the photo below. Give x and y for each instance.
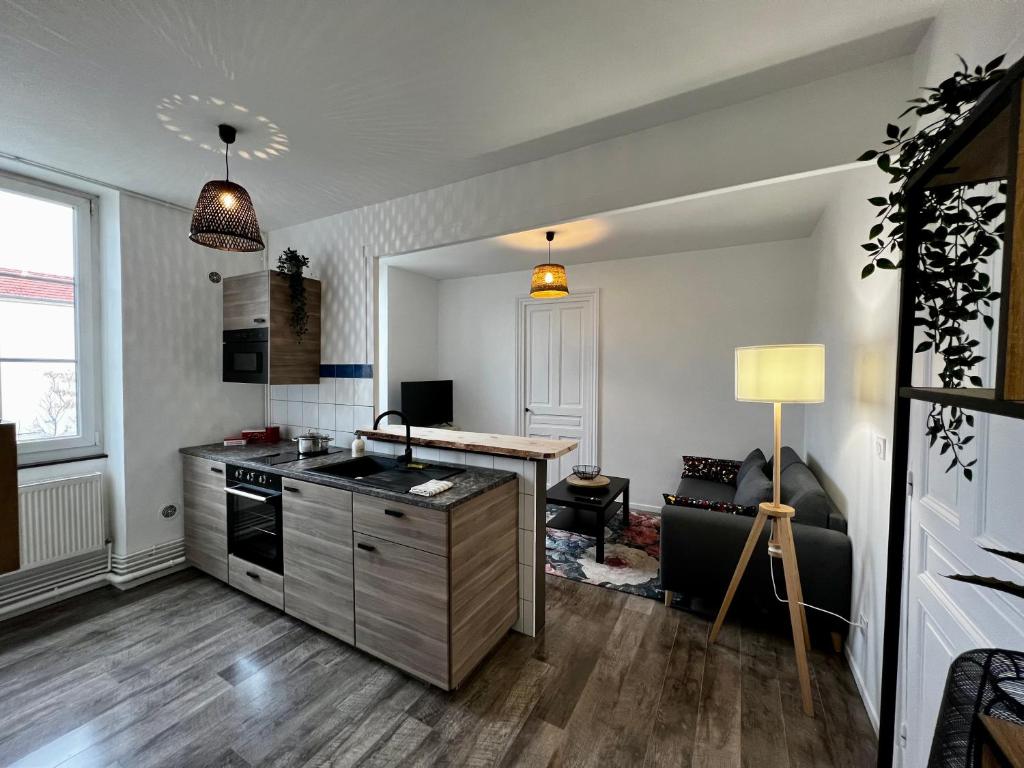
(631, 555)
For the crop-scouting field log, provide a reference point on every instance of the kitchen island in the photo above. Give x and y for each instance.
(428, 584)
(528, 457)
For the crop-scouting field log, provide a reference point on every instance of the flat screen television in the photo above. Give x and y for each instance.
(426, 403)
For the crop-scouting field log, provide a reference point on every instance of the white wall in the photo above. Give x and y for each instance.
(411, 327)
(856, 320)
(668, 328)
(171, 354)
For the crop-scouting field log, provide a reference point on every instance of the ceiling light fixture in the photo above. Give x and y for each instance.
(549, 281)
(224, 217)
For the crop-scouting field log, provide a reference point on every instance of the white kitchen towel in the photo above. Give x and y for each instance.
(431, 487)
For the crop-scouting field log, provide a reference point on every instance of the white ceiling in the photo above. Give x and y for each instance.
(366, 100)
(785, 209)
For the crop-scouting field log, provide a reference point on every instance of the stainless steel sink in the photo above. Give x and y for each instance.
(388, 473)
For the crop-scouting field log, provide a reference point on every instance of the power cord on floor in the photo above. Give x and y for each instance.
(775, 589)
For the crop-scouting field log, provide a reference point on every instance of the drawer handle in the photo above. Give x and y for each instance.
(253, 575)
(394, 513)
(291, 489)
(366, 547)
(259, 320)
(218, 470)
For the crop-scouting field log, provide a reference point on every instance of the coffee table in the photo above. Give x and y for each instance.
(588, 509)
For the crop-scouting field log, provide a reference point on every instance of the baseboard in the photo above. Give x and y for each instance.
(858, 680)
(645, 508)
(32, 588)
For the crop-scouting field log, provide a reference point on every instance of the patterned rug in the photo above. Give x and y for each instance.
(631, 555)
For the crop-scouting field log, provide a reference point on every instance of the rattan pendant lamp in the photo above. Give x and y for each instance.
(224, 217)
(549, 281)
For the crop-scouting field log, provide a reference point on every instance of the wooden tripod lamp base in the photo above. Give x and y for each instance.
(782, 543)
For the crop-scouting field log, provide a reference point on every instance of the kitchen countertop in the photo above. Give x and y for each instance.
(467, 485)
(474, 442)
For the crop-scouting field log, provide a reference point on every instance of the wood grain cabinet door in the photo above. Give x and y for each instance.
(206, 534)
(402, 607)
(317, 523)
(246, 302)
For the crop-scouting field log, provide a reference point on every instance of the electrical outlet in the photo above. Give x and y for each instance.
(881, 447)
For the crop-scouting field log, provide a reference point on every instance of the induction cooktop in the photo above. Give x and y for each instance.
(286, 457)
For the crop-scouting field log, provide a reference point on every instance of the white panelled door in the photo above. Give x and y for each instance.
(558, 375)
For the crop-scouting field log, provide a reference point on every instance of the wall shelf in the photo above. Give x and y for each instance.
(970, 399)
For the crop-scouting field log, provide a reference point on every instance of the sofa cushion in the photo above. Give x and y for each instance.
(754, 488)
(696, 488)
(802, 491)
(789, 456)
(754, 459)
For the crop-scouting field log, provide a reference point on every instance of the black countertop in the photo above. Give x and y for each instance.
(466, 485)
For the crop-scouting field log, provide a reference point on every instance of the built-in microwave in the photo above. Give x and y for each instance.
(246, 356)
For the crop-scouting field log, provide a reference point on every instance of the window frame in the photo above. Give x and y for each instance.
(87, 318)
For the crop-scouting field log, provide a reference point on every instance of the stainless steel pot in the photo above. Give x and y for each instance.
(311, 442)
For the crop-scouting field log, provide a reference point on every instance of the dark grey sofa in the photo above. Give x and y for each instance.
(704, 529)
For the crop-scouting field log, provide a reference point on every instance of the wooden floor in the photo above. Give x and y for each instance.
(187, 672)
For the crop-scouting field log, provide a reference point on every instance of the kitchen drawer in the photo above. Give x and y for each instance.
(401, 598)
(256, 581)
(418, 527)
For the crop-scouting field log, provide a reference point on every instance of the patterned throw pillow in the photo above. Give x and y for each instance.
(716, 506)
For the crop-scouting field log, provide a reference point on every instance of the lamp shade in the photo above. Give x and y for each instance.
(549, 282)
(225, 219)
(785, 373)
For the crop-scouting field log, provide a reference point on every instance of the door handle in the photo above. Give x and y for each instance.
(394, 513)
(247, 495)
(253, 575)
(366, 547)
(290, 489)
(218, 470)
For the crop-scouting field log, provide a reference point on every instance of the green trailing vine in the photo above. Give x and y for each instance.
(290, 264)
(959, 228)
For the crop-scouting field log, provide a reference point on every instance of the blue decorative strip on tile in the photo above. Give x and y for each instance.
(346, 370)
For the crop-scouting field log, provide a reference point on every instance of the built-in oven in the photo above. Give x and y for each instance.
(254, 517)
(246, 355)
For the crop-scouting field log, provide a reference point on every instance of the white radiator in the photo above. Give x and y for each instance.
(61, 518)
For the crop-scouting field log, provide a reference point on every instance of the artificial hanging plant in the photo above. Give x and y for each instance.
(290, 264)
(960, 228)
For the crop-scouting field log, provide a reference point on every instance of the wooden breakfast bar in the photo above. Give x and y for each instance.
(527, 457)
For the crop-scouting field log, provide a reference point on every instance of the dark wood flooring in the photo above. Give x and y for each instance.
(187, 672)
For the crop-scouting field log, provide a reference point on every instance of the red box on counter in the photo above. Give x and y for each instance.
(262, 434)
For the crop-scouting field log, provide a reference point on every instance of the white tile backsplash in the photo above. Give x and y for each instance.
(295, 393)
(279, 391)
(424, 453)
(310, 393)
(326, 390)
(326, 418)
(344, 392)
(479, 460)
(278, 412)
(362, 416)
(295, 413)
(310, 415)
(527, 512)
(363, 391)
(343, 417)
(451, 457)
(526, 547)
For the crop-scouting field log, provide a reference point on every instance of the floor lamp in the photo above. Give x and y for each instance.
(791, 373)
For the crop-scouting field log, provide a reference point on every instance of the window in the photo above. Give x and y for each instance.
(47, 337)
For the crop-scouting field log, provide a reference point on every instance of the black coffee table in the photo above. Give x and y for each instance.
(588, 509)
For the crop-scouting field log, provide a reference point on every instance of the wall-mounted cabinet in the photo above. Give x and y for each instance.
(260, 345)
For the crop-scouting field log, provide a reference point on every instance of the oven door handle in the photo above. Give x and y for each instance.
(248, 495)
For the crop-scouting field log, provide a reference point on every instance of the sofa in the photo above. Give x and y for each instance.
(706, 522)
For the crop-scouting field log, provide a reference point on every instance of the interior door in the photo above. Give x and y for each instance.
(558, 383)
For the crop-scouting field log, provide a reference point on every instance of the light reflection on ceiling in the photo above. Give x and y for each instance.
(194, 119)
